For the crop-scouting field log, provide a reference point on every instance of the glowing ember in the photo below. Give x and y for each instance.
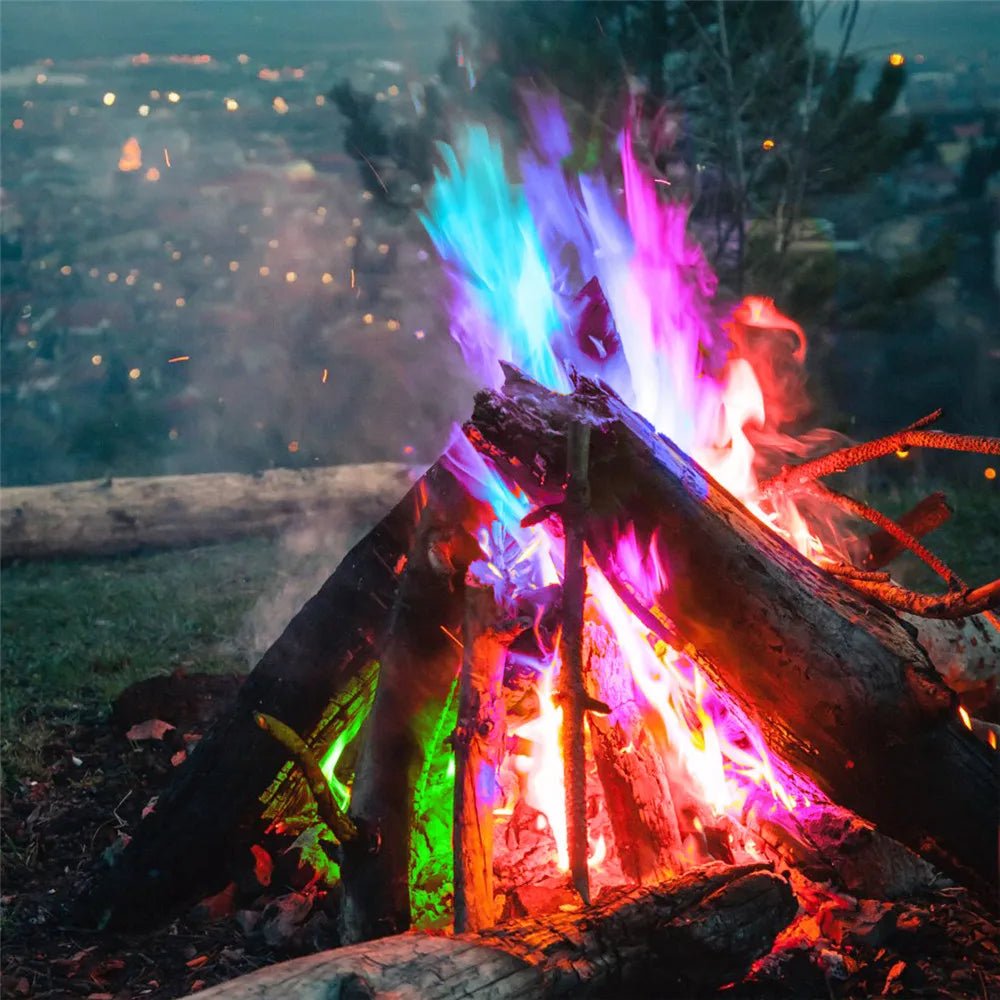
(131, 158)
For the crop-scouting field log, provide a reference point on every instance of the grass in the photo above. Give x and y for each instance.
(76, 633)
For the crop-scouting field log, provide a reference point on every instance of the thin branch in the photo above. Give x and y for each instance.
(957, 604)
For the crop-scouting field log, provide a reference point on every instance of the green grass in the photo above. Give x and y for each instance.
(76, 633)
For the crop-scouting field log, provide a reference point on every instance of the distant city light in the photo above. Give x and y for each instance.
(234, 265)
(897, 59)
(173, 96)
(153, 174)
(232, 104)
(109, 98)
(327, 278)
(180, 302)
(96, 359)
(135, 374)
(767, 144)
(291, 277)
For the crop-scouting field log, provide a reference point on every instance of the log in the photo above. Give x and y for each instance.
(479, 744)
(838, 686)
(113, 516)
(419, 662)
(312, 678)
(631, 768)
(696, 932)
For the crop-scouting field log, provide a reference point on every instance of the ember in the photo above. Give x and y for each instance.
(656, 668)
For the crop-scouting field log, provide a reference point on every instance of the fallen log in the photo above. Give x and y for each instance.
(837, 684)
(112, 516)
(312, 678)
(698, 931)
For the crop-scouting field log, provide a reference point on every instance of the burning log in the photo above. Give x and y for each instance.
(838, 685)
(419, 662)
(310, 678)
(111, 516)
(692, 933)
(479, 746)
(631, 768)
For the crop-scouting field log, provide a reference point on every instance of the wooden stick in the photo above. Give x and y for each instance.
(573, 691)
(923, 518)
(479, 742)
(329, 812)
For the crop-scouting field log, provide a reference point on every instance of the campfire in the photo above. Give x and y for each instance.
(621, 689)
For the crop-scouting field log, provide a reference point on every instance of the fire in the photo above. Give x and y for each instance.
(518, 254)
(131, 158)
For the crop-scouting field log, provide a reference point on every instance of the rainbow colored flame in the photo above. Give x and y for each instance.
(522, 260)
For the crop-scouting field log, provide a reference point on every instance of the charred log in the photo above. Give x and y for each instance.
(182, 851)
(838, 685)
(670, 940)
(419, 662)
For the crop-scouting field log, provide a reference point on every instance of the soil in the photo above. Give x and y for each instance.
(99, 782)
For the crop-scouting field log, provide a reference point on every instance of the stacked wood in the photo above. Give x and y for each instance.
(312, 674)
(696, 932)
(112, 516)
(836, 683)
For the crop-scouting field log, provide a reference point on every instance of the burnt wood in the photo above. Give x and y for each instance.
(211, 809)
(674, 939)
(837, 683)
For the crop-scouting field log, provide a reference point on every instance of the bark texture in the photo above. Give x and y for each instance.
(112, 516)
(837, 684)
(700, 930)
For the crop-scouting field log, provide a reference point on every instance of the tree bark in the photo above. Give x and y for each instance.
(419, 662)
(695, 932)
(479, 745)
(837, 684)
(313, 674)
(112, 516)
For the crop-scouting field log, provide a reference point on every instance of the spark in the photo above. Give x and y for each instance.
(321, 211)
(293, 446)
(243, 59)
(419, 334)
(18, 123)
(767, 144)
(374, 171)
(280, 105)
(320, 100)
(897, 59)
(174, 434)
(153, 174)
(966, 721)
(291, 277)
(327, 278)
(109, 98)
(143, 110)
(264, 271)
(902, 453)
(352, 277)
(166, 156)
(180, 357)
(368, 319)
(326, 375)
(96, 359)
(173, 96)
(231, 104)
(234, 266)
(989, 472)
(112, 277)
(135, 374)
(66, 269)
(392, 325)
(452, 636)
(40, 78)
(180, 302)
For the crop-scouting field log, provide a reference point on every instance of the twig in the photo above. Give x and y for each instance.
(573, 691)
(923, 518)
(914, 436)
(849, 572)
(330, 813)
(957, 604)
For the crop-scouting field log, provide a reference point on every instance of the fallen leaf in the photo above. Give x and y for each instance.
(151, 729)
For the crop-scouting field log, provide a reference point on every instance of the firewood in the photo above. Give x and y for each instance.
(182, 851)
(112, 516)
(923, 518)
(692, 933)
(837, 685)
(419, 661)
(479, 746)
(631, 768)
